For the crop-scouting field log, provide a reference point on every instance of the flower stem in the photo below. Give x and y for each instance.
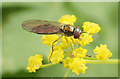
(111, 61)
(47, 65)
(66, 74)
(72, 46)
(67, 53)
(76, 46)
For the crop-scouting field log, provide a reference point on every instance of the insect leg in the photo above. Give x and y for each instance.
(52, 47)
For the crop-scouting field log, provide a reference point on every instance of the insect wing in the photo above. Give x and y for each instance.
(41, 26)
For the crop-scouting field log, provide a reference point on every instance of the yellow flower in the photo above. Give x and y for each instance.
(34, 62)
(102, 52)
(67, 19)
(86, 39)
(67, 62)
(80, 52)
(65, 41)
(57, 55)
(75, 41)
(49, 39)
(78, 65)
(91, 27)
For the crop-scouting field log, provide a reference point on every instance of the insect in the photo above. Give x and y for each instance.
(49, 27)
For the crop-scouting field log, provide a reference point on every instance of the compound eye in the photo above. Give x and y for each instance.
(77, 32)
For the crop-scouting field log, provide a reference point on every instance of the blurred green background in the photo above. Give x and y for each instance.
(18, 44)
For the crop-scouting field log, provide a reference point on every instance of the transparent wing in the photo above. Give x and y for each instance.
(41, 26)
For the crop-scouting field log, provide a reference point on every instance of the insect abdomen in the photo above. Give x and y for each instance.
(67, 30)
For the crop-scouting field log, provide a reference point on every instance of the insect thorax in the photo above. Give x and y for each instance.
(67, 30)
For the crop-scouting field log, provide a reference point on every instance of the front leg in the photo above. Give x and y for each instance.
(52, 47)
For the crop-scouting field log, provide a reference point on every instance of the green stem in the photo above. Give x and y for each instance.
(72, 46)
(89, 61)
(76, 46)
(67, 53)
(47, 65)
(66, 74)
(68, 50)
(111, 61)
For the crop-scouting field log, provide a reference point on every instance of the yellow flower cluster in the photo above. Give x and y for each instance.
(77, 65)
(91, 27)
(80, 52)
(86, 39)
(57, 54)
(34, 63)
(49, 39)
(70, 51)
(65, 42)
(67, 62)
(102, 52)
(67, 19)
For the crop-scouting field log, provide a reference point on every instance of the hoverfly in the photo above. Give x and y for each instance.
(49, 27)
